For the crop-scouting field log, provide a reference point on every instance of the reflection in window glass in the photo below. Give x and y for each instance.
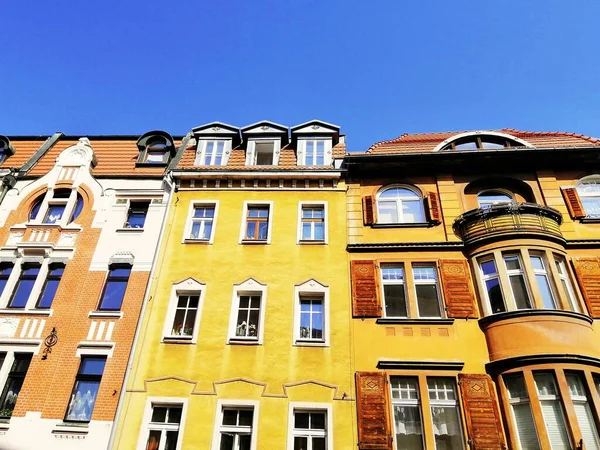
(552, 411)
(425, 279)
(447, 428)
(521, 409)
(565, 282)
(408, 426)
(394, 293)
(543, 282)
(491, 198)
(311, 318)
(400, 205)
(516, 277)
(14, 383)
(492, 285)
(163, 429)
(85, 390)
(589, 193)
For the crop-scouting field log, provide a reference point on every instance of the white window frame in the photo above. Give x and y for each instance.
(517, 272)
(509, 194)
(446, 403)
(325, 240)
(161, 401)
(435, 283)
(235, 404)
(487, 305)
(394, 282)
(327, 149)
(189, 286)
(565, 281)
(128, 208)
(311, 288)
(310, 407)
(248, 287)
(69, 203)
(251, 150)
(592, 180)
(201, 151)
(190, 219)
(407, 402)
(545, 273)
(399, 201)
(247, 204)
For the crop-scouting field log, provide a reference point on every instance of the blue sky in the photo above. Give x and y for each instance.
(376, 68)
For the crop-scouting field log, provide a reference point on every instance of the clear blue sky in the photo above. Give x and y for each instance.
(376, 68)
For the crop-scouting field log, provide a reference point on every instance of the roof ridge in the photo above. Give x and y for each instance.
(552, 133)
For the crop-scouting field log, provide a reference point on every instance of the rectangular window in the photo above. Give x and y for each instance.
(202, 222)
(263, 153)
(408, 427)
(213, 153)
(257, 223)
(489, 275)
(5, 271)
(114, 288)
(29, 274)
(248, 317)
(136, 215)
(55, 273)
(14, 383)
(521, 411)
(447, 428)
(57, 206)
(156, 157)
(314, 153)
(565, 282)
(185, 316)
(310, 430)
(312, 318)
(516, 276)
(313, 223)
(235, 432)
(583, 411)
(163, 429)
(85, 390)
(543, 282)
(394, 291)
(426, 287)
(552, 411)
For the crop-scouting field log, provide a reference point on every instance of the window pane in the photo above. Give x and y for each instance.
(22, 292)
(446, 427)
(159, 414)
(495, 295)
(171, 443)
(82, 401)
(78, 208)
(591, 205)
(427, 300)
(301, 420)
(54, 213)
(515, 384)
(155, 157)
(512, 263)
(412, 212)
(583, 412)
(114, 292)
(387, 212)
(246, 417)
(519, 289)
(262, 230)
(48, 293)
(153, 440)
(488, 267)
(230, 417)
(404, 388)
(14, 383)
(408, 427)
(525, 426)
(245, 440)
(318, 443)
(545, 291)
(92, 366)
(227, 441)
(395, 301)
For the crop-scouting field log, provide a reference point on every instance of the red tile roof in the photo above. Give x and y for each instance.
(426, 142)
(24, 149)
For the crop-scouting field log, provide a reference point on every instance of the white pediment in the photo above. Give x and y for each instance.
(311, 285)
(265, 127)
(189, 284)
(315, 127)
(216, 129)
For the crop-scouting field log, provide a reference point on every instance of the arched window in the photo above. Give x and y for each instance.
(56, 209)
(400, 205)
(487, 140)
(491, 198)
(589, 193)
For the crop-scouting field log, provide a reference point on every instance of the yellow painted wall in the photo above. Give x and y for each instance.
(272, 373)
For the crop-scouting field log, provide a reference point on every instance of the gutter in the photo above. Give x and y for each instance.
(169, 180)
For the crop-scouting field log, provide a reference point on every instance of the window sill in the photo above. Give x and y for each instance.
(147, 164)
(197, 241)
(408, 321)
(590, 220)
(177, 340)
(311, 242)
(129, 230)
(405, 225)
(254, 241)
(105, 314)
(31, 312)
(233, 341)
(71, 428)
(310, 343)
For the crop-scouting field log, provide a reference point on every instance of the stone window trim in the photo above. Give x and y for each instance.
(235, 404)
(562, 298)
(191, 287)
(321, 407)
(311, 288)
(244, 222)
(254, 288)
(189, 221)
(151, 402)
(324, 205)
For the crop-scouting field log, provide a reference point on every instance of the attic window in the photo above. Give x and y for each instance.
(156, 152)
(477, 142)
(156, 149)
(263, 153)
(6, 149)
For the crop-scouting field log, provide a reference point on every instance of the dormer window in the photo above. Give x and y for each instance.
(264, 143)
(263, 153)
(314, 142)
(481, 140)
(215, 141)
(156, 149)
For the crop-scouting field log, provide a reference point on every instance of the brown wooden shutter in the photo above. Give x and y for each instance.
(372, 408)
(458, 289)
(365, 299)
(573, 202)
(481, 412)
(432, 206)
(588, 274)
(369, 212)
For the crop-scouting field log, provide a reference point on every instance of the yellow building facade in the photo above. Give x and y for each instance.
(245, 339)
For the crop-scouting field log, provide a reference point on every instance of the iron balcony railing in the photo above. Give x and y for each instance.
(509, 218)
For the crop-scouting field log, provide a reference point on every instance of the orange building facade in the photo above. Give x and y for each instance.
(81, 221)
(475, 285)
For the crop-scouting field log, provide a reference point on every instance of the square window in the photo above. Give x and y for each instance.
(248, 317)
(114, 288)
(14, 382)
(312, 223)
(257, 223)
(85, 389)
(163, 429)
(22, 291)
(235, 430)
(202, 222)
(136, 214)
(264, 152)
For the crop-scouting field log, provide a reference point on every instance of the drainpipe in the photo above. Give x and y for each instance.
(172, 186)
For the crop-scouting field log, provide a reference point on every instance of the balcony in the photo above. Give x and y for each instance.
(509, 219)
